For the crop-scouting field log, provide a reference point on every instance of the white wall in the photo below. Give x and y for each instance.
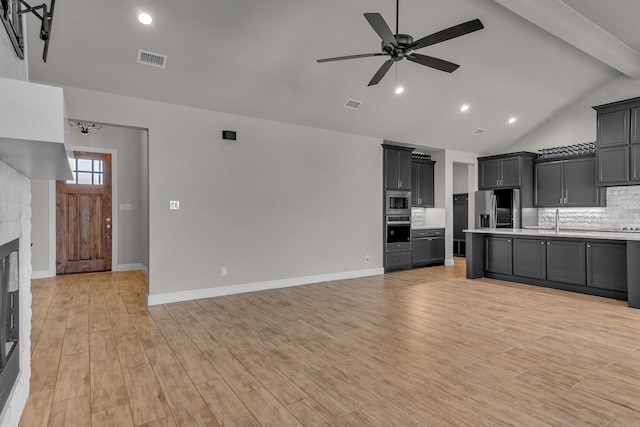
(577, 124)
(15, 214)
(281, 202)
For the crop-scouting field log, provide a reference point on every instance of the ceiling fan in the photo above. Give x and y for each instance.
(400, 46)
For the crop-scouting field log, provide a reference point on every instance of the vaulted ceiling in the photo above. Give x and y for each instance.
(258, 58)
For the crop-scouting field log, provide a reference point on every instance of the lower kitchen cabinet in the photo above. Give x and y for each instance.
(566, 261)
(607, 265)
(498, 255)
(428, 247)
(530, 258)
(397, 260)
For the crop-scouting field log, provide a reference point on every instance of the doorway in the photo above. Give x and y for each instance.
(83, 215)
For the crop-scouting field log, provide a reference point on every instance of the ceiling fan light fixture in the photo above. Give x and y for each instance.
(144, 18)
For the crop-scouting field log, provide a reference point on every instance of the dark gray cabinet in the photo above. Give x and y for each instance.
(618, 143)
(460, 222)
(613, 165)
(607, 265)
(428, 247)
(567, 183)
(566, 261)
(549, 190)
(498, 255)
(513, 170)
(397, 260)
(613, 128)
(501, 172)
(397, 167)
(422, 175)
(530, 258)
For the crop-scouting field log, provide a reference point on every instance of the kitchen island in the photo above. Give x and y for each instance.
(594, 262)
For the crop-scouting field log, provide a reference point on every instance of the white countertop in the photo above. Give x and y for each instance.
(580, 234)
(425, 227)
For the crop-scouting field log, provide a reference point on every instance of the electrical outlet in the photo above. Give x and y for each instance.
(174, 205)
(367, 258)
(223, 271)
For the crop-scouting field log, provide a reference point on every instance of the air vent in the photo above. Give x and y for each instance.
(479, 131)
(353, 104)
(153, 59)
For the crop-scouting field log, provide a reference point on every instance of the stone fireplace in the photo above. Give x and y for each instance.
(9, 318)
(15, 263)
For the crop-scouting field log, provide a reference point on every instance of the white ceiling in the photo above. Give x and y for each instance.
(258, 58)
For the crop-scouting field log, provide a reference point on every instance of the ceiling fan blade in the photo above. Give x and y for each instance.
(381, 72)
(340, 58)
(430, 61)
(447, 34)
(380, 26)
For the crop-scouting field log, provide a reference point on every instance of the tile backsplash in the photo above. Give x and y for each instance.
(623, 210)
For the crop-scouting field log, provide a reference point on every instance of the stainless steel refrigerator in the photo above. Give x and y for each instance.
(503, 209)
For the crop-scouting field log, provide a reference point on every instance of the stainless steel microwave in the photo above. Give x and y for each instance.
(398, 202)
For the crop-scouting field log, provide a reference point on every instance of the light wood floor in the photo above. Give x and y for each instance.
(420, 348)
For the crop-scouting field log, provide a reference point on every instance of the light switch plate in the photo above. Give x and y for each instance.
(174, 205)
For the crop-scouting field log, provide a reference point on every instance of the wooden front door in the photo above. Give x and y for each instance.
(83, 216)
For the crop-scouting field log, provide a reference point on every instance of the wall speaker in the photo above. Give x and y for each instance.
(229, 134)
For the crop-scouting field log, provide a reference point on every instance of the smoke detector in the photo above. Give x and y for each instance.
(153, 59)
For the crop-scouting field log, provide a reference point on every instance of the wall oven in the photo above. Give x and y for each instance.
(398, 232)
(398, 202)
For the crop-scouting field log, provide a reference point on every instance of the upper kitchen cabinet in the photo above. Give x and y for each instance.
(618, 139)
(567, 183)
(397, 167)
(422, 183)
(505, 171)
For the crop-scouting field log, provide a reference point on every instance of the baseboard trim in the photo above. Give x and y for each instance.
(448, 262)
(42, 274)
(257, 286)
(128, 267)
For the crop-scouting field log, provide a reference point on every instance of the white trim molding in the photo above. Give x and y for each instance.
(448, 262)
(129, 267)
(257, 286)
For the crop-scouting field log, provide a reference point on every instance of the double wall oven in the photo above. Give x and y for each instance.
(398, 220)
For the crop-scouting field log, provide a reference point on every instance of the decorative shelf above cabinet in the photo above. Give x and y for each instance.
(34, 137)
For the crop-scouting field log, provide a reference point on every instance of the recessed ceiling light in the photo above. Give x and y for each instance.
(512, 120)
(144, 18)
(464, 108)
(399, 90)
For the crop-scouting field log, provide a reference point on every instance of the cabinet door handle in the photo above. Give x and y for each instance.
(588, 245)
(565, 200)
(548, 243)
(501, 182)
(561, 200)
(542, 243)
(497, 182)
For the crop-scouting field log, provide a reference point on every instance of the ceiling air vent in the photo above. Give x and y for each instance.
(353, 104)
(149, 58)
(479, 131)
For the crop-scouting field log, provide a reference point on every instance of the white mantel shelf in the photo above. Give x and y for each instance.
(34, 135)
